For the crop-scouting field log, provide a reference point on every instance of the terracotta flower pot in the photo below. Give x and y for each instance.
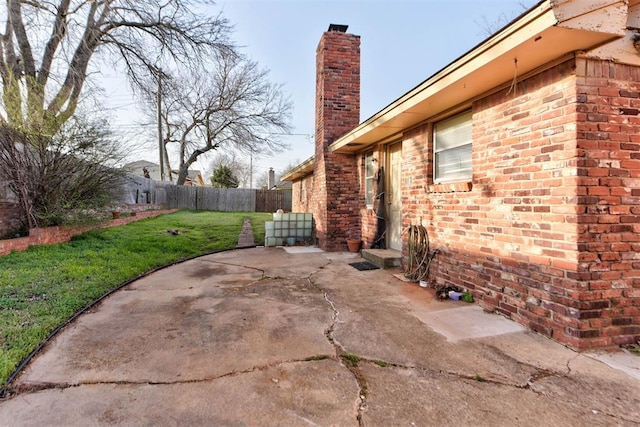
(116, 215)
(353, 245)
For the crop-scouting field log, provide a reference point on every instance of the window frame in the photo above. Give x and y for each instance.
(369, 178)
(463, 124)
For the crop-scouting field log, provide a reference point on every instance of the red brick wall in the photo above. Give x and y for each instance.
(301, 193)
(547, 232)
(525, 174)
(334, 200)
(369, 227)
(417, 169)
(608, 141)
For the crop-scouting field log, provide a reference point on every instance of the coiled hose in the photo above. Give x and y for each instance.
(419, 258)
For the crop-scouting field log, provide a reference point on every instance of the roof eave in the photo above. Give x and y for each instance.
(303, 169)
(541, 35)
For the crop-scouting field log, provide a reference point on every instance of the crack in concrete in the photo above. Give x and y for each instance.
(313, 273)
(349, 361)
(340, 351)
(33, 387)
(352, 367)
(538, 375)
(569, 362)
(600, 411)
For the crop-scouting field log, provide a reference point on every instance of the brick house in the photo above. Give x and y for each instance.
(521, 159)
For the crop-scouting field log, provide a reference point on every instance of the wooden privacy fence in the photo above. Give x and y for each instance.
(227, 199)
(272, 200)
(138, 190)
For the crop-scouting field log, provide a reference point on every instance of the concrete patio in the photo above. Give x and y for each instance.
(264, 336)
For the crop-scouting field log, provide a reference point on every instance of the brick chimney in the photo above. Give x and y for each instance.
(337, 213)
(337, 84)
(271, 179)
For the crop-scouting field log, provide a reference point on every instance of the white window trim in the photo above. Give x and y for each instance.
(462, 125)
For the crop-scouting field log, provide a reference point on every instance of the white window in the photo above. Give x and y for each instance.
(452, 147)
(369, 173)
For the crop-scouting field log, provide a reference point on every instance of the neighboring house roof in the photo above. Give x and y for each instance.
(548, 33)
(138, 164)
(191, 173)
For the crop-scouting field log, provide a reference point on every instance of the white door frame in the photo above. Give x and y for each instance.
(394, 195)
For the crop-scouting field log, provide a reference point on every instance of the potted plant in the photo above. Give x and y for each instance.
(353, 244)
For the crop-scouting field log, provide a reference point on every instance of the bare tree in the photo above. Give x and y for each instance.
(231, 104)
(489, 28)
(240, 167)
(47, 46)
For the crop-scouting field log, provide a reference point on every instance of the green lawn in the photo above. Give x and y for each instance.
(44, 286)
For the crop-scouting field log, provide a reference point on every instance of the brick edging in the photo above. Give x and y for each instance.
(62, 234)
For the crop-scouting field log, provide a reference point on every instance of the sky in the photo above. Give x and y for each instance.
(402, 44)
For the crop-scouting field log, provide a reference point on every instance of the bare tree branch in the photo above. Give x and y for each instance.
(489, 28)
(15, 17)
(233, 105)
(47, 47)
(57, 35)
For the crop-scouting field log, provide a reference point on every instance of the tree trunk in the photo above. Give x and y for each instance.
(182, 174)
(167, 165)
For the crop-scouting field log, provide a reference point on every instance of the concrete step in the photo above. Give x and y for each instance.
(383, 258)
